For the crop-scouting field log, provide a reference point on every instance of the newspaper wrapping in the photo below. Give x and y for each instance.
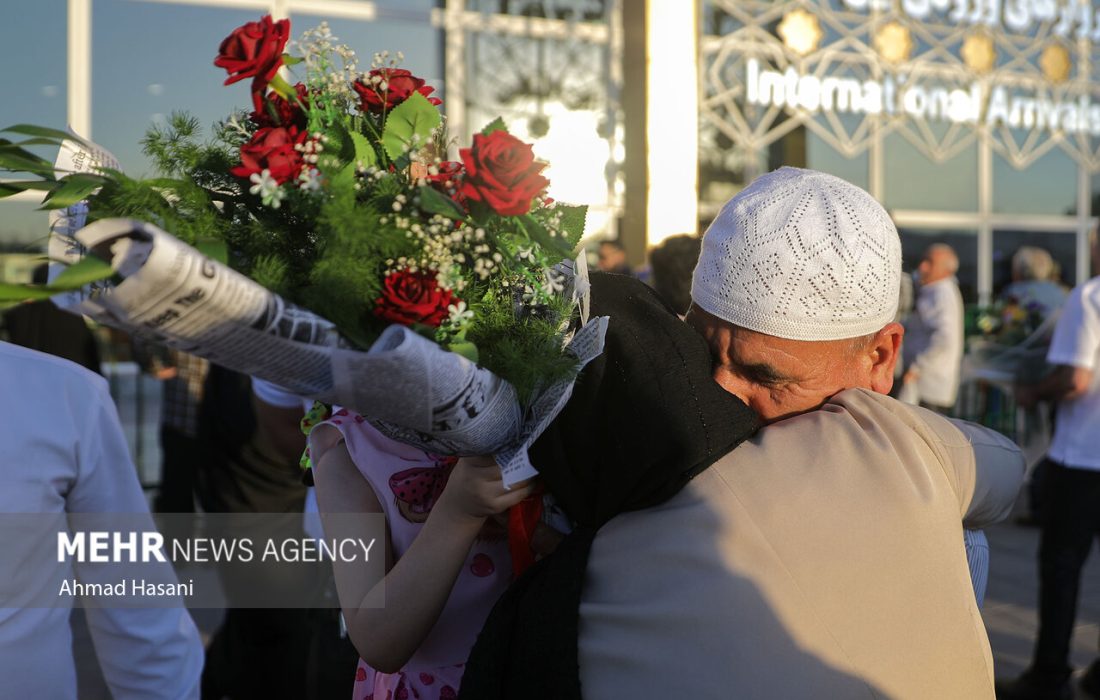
(407, 386)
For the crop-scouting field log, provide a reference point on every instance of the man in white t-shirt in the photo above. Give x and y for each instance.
(62, 450)
(1071, 491)
(933, 347)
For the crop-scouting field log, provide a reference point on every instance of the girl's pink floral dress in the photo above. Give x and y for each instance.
(407, 482)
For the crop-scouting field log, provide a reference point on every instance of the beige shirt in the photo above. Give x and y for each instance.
(822, 559)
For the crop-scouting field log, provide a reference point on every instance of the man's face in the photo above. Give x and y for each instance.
(934, 266)
(777, 377)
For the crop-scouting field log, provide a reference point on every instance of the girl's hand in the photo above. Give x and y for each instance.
(475, 491)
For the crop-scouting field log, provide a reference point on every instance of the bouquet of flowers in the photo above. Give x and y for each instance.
(1013, 342)
(335, 193)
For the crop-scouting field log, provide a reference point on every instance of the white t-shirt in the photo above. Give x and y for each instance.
(62, 450)
(1076, 343)
(933, 344)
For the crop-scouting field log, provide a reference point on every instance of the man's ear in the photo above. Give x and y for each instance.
(882, 354)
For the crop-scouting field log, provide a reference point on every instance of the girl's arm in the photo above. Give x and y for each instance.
(419, 583)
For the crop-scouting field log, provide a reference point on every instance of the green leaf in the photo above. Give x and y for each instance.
(289, 60)
(22, 292)
(495, 125)
(213, 248)
(32, 130)
(572, 222)
(340, 143)
(32, 142)
(537, 234)
(14, 158)
(415, 117)
(71, 189)
(364, 152)
(435, 202)
(75, 276)
(286, 90)
(11, 187)
(464, 348)
(345, 178)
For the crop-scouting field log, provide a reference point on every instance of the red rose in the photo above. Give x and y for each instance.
(254, 50)
(288, 112)
(399, 82)
(502, 171)
(272, 148)
(412, 297)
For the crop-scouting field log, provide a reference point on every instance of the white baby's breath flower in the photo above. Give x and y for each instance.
(309, 180)
(267, 187)
(554, 283)
(459, 314)
(234, 124)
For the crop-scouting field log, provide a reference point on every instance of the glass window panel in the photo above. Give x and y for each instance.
(34, 56)
(914, 181)
(1048, 186)
(820, 155)
(23, 228)
(554, 94)
(965, 244)
(1061, 246)
(35, 80)
(140, 76)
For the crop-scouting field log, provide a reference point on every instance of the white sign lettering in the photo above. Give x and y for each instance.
(1018, 16)
(934, 102)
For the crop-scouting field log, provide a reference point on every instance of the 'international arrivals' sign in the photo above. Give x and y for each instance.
(894, 96)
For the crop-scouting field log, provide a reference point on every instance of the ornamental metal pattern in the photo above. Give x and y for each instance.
(940, 73)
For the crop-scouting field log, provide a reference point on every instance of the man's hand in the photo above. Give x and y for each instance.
(166, 373)
(1064, 383)
(1026, 395)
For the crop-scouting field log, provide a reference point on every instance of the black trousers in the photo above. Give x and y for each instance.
(1070, 521)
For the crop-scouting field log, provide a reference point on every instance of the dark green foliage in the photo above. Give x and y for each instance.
(527, 351)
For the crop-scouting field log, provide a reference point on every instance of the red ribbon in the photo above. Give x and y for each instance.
(522, 519)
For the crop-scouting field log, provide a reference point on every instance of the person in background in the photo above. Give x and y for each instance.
(670, 265)
(332, 658)
(62, 450)
(182, 378)
(1034, 283)
(1070, 516)
(612, 257)
(934, 334)
(1035, 289)
(41, 326)
(253, 467)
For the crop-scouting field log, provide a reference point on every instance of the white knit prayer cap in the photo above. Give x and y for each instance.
(802, 255)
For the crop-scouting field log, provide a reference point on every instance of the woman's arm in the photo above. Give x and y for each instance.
(419, 583)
